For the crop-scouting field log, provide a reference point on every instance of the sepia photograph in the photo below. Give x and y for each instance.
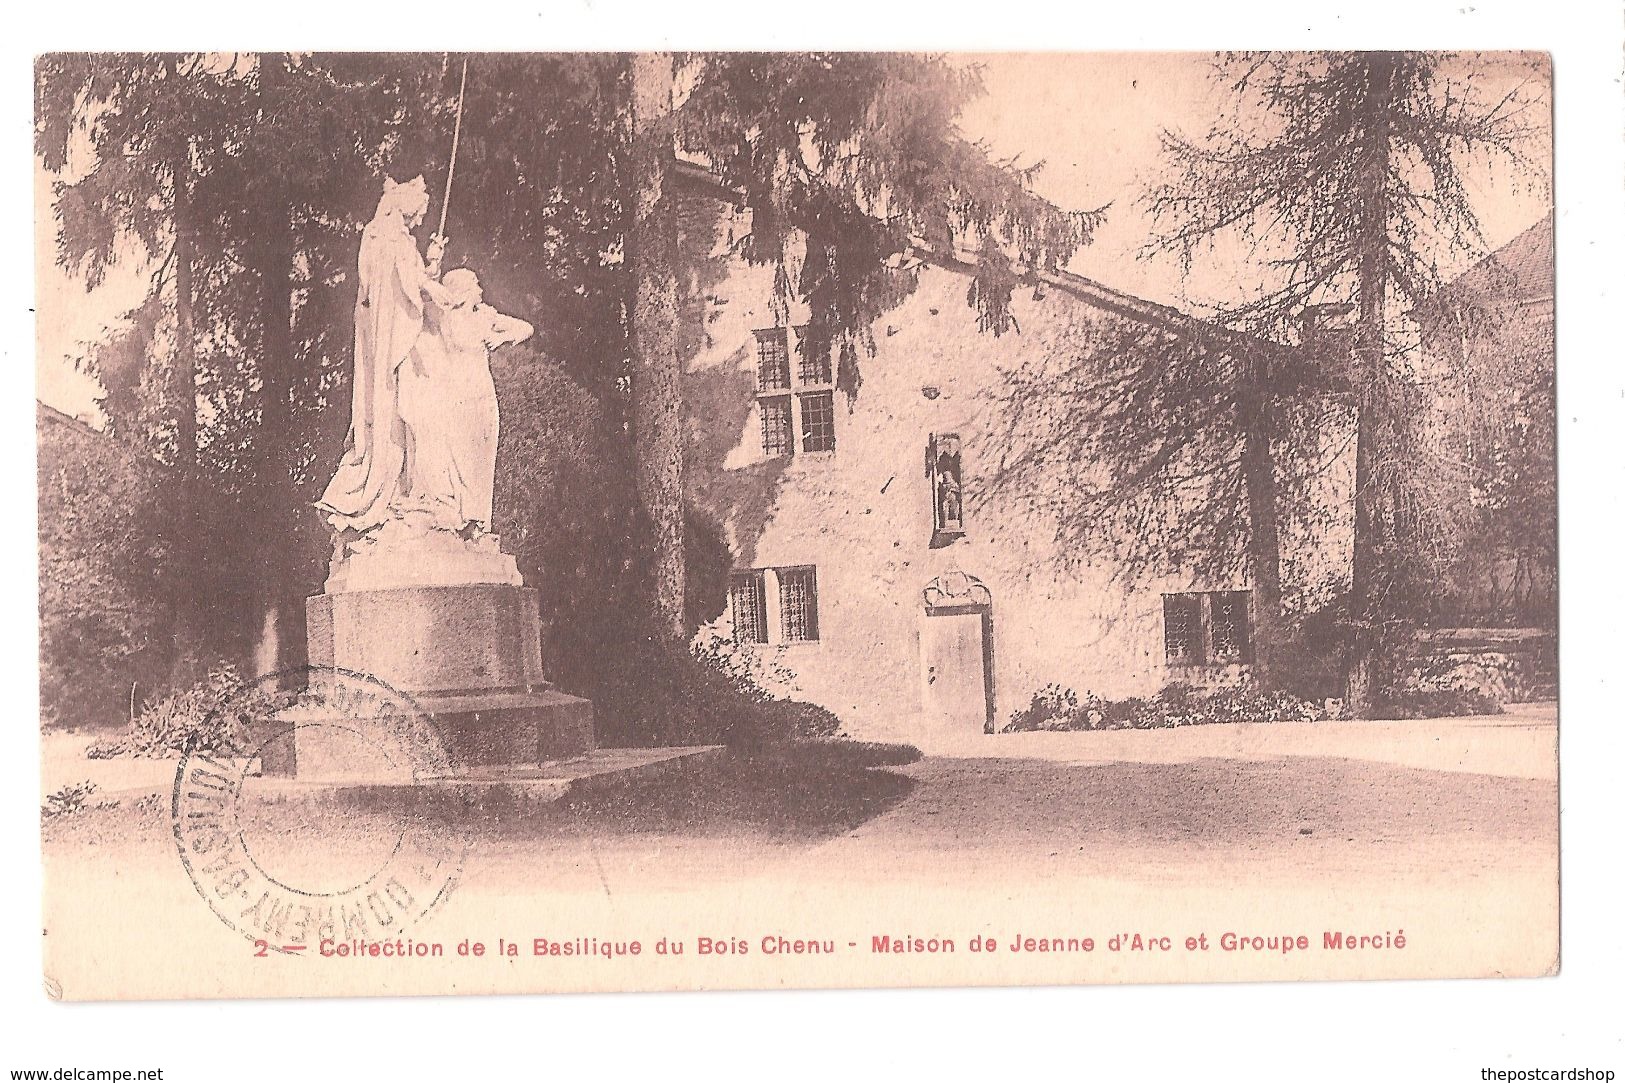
(476, 488)
(542, 519)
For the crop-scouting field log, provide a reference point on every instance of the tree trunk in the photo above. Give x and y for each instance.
(279, 501)
(1365, 665)
(1263, 535)
(184, 370)
(657, 369)
(192, 651)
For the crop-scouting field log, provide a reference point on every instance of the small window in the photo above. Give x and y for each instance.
(817, 421)
(776, 433)
(747, 593)
(1207, 628)
(755, 594)
(772, 360)
(810, 411)
(1182, 629)
(812, 369)
(798, 604)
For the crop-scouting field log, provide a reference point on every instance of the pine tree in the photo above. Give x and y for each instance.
(1348, 170)
(657, 366)
(849, 165)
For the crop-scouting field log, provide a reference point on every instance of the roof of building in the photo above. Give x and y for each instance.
(50, 413)
(1526, 260)
(46, 414)
(1086, 289)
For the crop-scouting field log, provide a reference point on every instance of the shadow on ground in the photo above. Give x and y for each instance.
(1283, 815)
(842, 816)
(773, 796)
(795, 794)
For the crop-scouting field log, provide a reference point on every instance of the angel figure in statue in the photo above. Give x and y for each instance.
(449, 405)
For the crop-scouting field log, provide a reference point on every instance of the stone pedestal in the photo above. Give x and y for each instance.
(467, 655)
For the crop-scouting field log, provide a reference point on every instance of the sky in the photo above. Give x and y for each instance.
(1094, 119)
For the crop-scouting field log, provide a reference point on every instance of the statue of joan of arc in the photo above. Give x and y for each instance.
(421, 451)
(394, 285)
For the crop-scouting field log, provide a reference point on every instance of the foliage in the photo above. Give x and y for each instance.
(141, 585)
(1499, 671)
(102, 597)
(243, 178)
(1347, 171)
(1311, 654)
(801, 720)
(270, 156)
(1054, 707)
(1140, 423)
(855, 159)
(1496, 413)
(214, 715)
(1417, 702)
(755, 673)
(712, 691)
(257, 170)
(70, 799)
(1286, 165)
(657, 692)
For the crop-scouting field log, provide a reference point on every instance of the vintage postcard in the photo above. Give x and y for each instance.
(536, 522)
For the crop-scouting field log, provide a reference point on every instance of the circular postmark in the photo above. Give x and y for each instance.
(306, 814)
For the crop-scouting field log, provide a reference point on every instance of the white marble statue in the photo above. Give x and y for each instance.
(449, 405)
(393, 285)
(419, 462)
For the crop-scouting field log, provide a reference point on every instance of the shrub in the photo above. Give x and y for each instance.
(1052, 708)
(750, 672)
(70, 799)
(800, 720)
(713, 692)
(1415, 702)
(147, 571)
(1057, 708)
(212, 715)
(1494, 675)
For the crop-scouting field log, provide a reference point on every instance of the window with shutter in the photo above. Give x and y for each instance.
(748, 594)
(777, 437)
(798, 604)
(1182, 636)
(1231, 628)
(772, 360)
(1201, 628)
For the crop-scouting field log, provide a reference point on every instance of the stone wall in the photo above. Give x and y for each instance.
(1510, 665)
(862, 515)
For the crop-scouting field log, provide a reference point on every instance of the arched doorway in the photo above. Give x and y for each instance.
(956, 654)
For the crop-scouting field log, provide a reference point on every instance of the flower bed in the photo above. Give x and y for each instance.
(1058, 708)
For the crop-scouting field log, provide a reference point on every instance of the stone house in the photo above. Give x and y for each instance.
(875, 555)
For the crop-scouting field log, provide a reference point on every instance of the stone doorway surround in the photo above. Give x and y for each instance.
(956, 655)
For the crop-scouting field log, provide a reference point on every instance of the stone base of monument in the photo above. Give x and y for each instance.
(501, 792)
(466, 657)
(510, 732)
